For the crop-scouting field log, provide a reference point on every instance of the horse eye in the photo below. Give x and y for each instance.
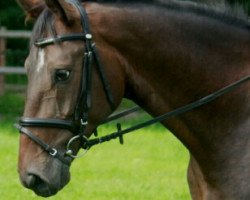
(62, 75)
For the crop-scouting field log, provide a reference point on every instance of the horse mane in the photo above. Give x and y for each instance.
(233, 15)
(227, 14)
(45, 21)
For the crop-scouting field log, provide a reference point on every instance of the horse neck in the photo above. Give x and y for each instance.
(171, 58)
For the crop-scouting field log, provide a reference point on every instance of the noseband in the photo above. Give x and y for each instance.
(80, 118)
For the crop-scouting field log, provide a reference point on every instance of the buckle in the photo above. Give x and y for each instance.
(53, 152)
(84, 123)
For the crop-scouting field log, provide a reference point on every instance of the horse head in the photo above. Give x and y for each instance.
(68, 95)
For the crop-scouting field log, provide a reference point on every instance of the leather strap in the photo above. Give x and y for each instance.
(60, 38)
(203, 101)
(52, 151)
(53, 123)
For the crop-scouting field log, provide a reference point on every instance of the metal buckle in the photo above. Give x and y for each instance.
(84, 123)
(53, 152)
(69, 152)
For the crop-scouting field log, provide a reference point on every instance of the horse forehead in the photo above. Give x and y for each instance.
(63, 54)
(52, 54)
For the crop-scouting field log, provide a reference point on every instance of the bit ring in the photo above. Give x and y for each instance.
(69, 152)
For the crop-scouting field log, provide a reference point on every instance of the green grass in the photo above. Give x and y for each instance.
(151, 165)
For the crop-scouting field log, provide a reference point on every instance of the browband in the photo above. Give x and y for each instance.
(60, 38)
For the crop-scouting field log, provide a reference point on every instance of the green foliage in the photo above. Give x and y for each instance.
(244, 3)
(11, 15)
(11, 107)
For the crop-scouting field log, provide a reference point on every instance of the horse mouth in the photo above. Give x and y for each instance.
(40, 186)
(45, 191)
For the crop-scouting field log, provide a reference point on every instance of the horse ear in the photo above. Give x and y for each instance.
(33, 8)
(63, 9)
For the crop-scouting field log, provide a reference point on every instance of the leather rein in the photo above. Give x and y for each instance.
(80, 119)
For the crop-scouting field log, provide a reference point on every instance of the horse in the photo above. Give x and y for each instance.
(86, 57)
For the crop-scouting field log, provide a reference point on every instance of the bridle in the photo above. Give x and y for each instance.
(80, 118)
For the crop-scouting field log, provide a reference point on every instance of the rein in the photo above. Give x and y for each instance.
(205, 100)
(77, 125)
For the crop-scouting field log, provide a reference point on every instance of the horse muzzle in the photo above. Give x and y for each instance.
(46, 182)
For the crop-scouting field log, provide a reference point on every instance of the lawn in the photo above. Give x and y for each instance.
(151, 165)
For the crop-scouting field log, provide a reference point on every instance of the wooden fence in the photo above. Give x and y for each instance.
(4, 35)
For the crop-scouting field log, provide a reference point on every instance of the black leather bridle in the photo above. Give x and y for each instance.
(80, 119)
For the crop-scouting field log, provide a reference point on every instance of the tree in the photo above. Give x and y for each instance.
(244, 3)
(11, 16)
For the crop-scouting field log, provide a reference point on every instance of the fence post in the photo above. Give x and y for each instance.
(2, 60)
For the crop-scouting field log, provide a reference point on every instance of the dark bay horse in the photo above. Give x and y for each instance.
(161, 55)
